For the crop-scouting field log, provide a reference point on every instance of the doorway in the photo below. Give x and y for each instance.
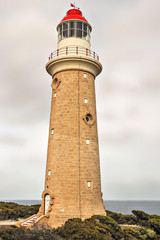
(46, 203)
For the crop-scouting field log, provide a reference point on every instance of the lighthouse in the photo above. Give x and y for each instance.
(72, 181)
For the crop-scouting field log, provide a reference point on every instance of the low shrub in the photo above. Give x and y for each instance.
(9, 210)
(76, 229)
(139, 233)
(140, 215)
(122, 219)
(95, 228)
(155, 225)
(112, 226)
(26, 234)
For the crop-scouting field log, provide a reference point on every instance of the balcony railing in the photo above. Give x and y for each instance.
(74, 50)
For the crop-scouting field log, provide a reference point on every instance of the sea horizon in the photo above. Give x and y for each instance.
(119, 206)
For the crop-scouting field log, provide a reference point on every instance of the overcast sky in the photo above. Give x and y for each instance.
(126, 35)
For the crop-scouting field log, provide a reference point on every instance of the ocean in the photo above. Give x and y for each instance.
(124, 207)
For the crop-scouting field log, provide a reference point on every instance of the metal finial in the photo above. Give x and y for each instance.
(74, 5)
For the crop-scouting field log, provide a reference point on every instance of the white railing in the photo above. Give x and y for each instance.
(73, 50)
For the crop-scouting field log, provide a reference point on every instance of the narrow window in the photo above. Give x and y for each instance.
(85, 100)
(52, 131)
(49, 173)
(55, 94)
(87, 141)
(89, 184)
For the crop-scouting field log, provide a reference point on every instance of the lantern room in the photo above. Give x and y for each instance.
(74, 26)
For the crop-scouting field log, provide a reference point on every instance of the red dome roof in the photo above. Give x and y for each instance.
(74, 14)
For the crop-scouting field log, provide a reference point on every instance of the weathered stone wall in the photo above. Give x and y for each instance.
(72, 162)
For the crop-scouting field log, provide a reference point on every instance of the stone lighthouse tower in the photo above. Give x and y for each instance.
(72, 182)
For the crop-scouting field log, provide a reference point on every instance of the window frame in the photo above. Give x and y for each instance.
(74, 28)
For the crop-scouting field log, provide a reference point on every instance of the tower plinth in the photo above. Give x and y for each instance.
(72, 182)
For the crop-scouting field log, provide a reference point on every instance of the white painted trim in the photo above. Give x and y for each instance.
(72, 62)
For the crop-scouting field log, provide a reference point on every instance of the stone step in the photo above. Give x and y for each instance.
(30, 221)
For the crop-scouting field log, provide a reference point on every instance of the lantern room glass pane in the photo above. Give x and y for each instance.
(85, 27)
(60, 37)
(65, 26)
(79, 25)
(65, 34)
(72, 24)
(84, 35)
(72, 33)
(74, 29)
(60, 28)
(79, 33)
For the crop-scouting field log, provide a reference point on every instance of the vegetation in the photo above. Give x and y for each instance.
(14, 233)
(123, 219)
(148, 225)
(14, 211)
(114, 226)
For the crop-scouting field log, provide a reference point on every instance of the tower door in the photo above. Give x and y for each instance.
(46, 203)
